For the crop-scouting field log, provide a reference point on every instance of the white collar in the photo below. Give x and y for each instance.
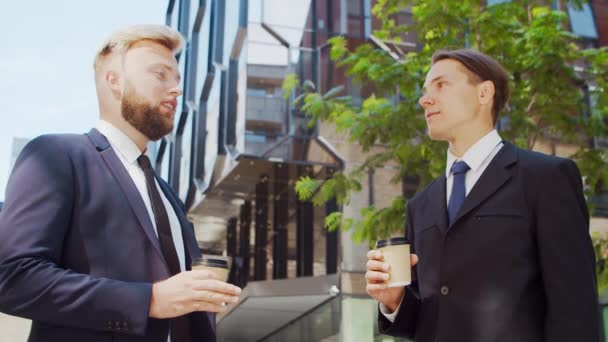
(477, 153)
(120, 141)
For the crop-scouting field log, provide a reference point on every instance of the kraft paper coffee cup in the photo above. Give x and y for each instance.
(396, 253)
(215, 265)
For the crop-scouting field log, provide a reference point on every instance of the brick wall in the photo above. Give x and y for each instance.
(600, 11)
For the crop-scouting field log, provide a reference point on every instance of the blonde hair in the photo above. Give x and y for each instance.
(120, 41)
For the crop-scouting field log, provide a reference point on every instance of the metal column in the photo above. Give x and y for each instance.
(231, 240)
(261, 228)
(244, 237)
(304, 231)
(331, 238)
(280, 220)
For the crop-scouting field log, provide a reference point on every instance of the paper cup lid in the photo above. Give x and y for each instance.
(392, 242)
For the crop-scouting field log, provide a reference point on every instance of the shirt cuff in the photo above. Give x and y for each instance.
(390, 316)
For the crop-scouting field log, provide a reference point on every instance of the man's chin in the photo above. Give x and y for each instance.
(155, 136)
(436, 135)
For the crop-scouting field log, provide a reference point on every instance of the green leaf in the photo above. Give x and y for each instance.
(338, 47)
(289, 84)
(306, 187)
(333, 221)
(540, 11)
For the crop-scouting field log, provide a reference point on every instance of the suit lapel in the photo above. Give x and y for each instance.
(493, 177)
(128, 187)
(439, 208)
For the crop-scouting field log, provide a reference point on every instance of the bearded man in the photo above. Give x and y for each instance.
(93, 245)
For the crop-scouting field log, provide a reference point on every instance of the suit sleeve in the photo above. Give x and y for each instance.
(33, 224)
(566, 257)
(407, 317)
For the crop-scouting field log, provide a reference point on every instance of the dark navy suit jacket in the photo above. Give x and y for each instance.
(78, 251)
(516, 265)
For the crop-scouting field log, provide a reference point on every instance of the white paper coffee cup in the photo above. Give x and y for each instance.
(396, 253)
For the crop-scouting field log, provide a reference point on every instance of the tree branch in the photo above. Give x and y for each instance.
(532, 102)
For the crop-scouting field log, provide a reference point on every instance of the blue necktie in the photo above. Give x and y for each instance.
(459, 170)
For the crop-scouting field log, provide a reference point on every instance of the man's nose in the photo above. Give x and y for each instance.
(425, 100)
(176, 90)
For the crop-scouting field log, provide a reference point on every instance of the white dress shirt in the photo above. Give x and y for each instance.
(128, 152)
(478, 157)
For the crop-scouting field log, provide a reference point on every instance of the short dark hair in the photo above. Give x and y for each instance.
(482, 68)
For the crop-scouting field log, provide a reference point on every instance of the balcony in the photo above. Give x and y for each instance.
(265, 113)
(259, 144)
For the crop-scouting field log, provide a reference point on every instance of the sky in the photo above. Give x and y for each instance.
(46, 64)
(47, 55)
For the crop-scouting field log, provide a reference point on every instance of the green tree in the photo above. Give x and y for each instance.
(548, 69)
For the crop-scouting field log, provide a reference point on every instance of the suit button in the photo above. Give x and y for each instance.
(445, 290)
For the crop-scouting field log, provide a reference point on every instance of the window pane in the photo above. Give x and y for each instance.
(355, 7)
(494, 2)
(582, 21)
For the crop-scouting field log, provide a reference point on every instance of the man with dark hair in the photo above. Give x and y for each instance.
(501, 241)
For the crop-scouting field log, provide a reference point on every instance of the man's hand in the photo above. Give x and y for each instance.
(190, 291)
(377, 277)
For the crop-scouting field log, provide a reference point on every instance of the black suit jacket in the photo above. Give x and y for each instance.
(78, 251)
(517, 264)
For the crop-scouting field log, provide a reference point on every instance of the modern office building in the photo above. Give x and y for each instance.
(234, 157)
(239, 147)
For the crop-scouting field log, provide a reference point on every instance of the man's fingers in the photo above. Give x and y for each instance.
(413, 259)
(374, 277)
(375, 265)
(215, 297)
(375, 254)
(217, 286)
(372, 288)
(202, 274)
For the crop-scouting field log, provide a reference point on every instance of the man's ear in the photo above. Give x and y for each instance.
(114, 81)
(485, 92)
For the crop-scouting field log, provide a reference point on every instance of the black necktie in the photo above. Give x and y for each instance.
(180, 328)
(459, 170)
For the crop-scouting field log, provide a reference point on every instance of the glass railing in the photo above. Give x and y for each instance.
(258, 144)
(354, 319)
(604, 318)
(600, 204)
(342, 318)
